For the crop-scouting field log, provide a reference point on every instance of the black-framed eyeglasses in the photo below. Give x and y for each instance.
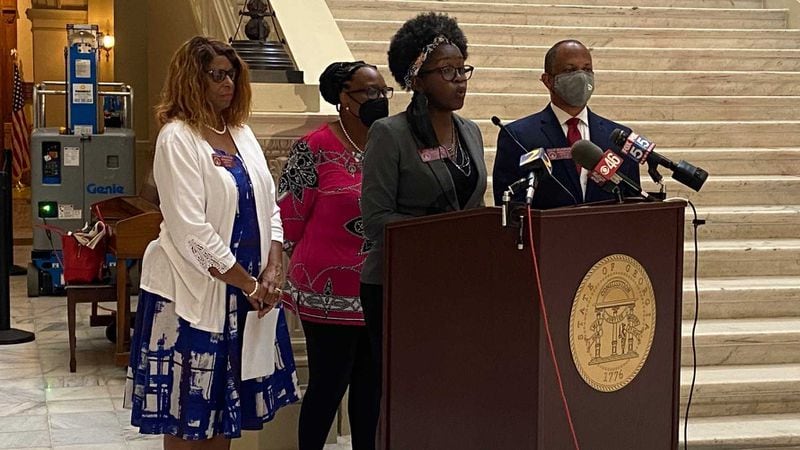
(449, 73)
(374, 93)
(218, 75)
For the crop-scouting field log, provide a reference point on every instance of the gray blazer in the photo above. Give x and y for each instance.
(398, 185)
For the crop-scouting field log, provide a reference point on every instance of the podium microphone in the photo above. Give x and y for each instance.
(535, 162)
(498, 123)
(640, 149)
(602, 166)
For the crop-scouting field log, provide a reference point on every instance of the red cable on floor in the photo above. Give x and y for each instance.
(546, 321)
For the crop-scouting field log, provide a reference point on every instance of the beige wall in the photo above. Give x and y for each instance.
(147, 34)
(101, 13)
(130, 67)
(24, 40)
(136, 59)
(170, 24)
(49, 31)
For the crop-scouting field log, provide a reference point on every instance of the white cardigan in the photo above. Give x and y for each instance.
(199, 202)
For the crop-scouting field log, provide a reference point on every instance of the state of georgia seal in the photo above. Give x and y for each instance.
(613, 322)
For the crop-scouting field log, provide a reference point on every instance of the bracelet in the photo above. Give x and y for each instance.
(255, 289)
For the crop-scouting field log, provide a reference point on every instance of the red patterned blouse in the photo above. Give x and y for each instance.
(319, 192)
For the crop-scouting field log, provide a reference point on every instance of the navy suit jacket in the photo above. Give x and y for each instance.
(543, 130)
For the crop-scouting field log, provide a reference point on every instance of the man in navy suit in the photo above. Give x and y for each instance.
(569, 77)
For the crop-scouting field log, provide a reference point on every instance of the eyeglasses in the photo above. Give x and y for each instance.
(218, 75)
(449, 73)
(373, 92)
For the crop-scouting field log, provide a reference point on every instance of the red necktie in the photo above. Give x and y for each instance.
(573, 135)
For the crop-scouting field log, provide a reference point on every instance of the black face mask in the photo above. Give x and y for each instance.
(372, 110)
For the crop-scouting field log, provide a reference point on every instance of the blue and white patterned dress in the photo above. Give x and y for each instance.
(187, 382)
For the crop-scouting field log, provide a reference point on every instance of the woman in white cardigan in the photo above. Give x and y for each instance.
(218, 257)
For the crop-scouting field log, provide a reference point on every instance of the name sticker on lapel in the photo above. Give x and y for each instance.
(432, 154)
(556, 154)
(224, 160)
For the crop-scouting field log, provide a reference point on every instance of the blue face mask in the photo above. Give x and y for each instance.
(575, 88)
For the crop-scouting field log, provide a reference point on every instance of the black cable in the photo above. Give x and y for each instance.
(695, 224)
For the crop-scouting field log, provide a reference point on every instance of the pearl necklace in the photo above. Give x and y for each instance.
(224, 128)
(358, 154)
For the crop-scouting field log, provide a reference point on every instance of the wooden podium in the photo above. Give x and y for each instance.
(134, 222)
(466, 360)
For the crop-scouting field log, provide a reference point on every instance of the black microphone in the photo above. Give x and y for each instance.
(496, 120)
(603, 167)
(640, 149)
(536, 162)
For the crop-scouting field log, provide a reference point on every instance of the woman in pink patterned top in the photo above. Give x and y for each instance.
(319, 196)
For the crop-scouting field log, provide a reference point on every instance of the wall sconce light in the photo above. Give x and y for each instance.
(107, 43)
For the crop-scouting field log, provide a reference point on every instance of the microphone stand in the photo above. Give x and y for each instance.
(505, 208)
(504, 214)
(8, 335)
(652, 170)
(533, 183)
(618, 192)
(507, 194)
(613, 189)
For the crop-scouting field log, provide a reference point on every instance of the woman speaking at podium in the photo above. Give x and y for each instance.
(425, 160)
(217, 258)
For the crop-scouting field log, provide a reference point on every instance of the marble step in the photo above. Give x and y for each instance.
(722, 203)
(627, 82)
(742, 390)
(762, 431)
(765, 222)
(742, 341)
(562, 15)
(737, 161)
(631, 82)
(682, 83)
(510, 106)
(716, 161)
(699, 134)
(744, 4)
(735, 190)
(746, 222)
(743, 258)
(620, 58)
(592, 36)
(723, 190)
(742, 298)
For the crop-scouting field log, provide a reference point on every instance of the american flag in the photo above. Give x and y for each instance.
(20, 144)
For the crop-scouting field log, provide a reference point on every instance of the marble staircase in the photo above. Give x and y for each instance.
(714, 82)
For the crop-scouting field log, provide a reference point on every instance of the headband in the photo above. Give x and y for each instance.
(413, 70)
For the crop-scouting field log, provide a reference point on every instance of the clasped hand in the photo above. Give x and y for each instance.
(268, 292)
